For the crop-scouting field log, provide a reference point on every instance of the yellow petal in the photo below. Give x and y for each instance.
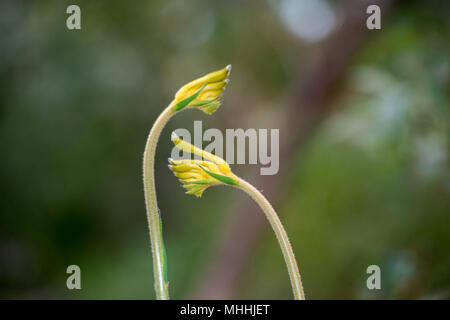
(210, 78)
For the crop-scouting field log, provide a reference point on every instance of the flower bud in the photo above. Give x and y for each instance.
(204, 93)
(197, 175)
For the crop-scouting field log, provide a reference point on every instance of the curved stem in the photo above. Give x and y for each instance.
(281, 235)
(153, 215)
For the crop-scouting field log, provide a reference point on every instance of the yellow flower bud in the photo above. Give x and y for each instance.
(204, 93)
(197, 175)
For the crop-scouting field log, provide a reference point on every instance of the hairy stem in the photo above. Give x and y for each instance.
(153, 215)
(281, 235)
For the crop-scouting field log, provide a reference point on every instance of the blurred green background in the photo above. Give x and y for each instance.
(369, 185)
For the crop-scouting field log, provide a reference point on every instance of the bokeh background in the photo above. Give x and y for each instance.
(364, 127)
